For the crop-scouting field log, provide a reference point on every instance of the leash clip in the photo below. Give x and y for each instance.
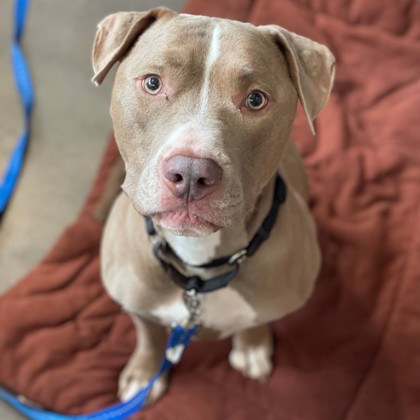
(192, 302)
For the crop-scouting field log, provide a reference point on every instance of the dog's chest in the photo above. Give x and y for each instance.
(225, 311)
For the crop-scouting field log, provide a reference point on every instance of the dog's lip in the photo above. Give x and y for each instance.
(184, 220)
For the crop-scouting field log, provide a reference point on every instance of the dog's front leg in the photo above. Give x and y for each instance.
(145, 361)
(252, 351)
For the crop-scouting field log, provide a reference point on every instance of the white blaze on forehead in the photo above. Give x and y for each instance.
(212, 56)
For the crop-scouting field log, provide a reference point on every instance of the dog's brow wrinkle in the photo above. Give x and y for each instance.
(173, 60)
(246, 70)
(152, 69)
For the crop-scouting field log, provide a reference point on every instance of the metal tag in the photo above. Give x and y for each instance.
(192, 302)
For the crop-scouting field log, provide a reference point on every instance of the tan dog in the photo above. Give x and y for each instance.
(202, 111)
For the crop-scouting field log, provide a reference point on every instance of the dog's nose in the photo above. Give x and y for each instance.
(192, 178)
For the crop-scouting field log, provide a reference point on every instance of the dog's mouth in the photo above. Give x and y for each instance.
(185, 223)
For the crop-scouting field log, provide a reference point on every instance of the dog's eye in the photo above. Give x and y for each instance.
(152, 85)
(256, 100)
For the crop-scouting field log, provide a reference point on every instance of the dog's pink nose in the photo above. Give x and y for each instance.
(191, 178)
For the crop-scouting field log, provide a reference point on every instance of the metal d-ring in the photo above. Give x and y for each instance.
(238, 258)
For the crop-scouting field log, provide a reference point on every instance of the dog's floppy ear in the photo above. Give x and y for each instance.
(311, 68)
(116, 34)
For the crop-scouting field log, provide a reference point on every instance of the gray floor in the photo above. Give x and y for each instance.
(70, 127)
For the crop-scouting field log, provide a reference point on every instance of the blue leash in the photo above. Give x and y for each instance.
(179, 339)
(26, 93)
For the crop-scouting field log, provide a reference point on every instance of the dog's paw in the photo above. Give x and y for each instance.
(253, 362)
(132, 380)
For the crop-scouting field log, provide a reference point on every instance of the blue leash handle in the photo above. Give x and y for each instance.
(179, 337)
(26, 94)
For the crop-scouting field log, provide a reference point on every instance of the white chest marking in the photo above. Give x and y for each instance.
(224, 310)
(213, 54)
(176, 311)
(194, 250)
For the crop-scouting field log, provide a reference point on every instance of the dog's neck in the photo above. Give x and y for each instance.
(226, 241)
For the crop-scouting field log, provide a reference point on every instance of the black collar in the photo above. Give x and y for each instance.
(162, 248)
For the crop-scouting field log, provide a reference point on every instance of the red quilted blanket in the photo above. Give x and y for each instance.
(353, 352)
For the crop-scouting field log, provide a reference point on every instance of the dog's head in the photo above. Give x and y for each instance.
(202, 109)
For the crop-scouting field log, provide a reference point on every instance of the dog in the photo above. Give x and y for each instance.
(202, 110)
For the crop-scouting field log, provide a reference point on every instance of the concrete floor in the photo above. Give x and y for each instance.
(70, 127)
